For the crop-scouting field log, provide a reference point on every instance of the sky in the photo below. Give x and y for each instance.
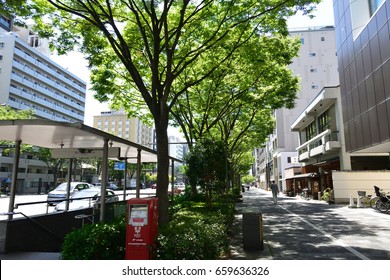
(75, 63)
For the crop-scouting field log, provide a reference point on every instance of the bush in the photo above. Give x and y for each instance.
(195, 233)
(96, 242)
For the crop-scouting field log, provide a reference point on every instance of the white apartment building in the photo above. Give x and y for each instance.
(31, 80)
(317, 68)
(132, 129)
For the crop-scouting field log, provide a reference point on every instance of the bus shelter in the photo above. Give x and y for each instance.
(70, 141)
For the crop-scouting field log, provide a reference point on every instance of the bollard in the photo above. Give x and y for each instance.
(351, 203)
(358, 203)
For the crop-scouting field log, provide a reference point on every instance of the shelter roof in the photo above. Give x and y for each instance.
(51, 134)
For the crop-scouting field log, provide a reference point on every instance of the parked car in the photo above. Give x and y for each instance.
(60, 191)
(87, 198)
(132, 185)
(112, 186)
(180, 186)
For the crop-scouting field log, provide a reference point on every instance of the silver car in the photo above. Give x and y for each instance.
(54, 197)
(86, 198)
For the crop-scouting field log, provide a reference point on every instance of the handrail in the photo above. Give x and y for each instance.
(35, 222)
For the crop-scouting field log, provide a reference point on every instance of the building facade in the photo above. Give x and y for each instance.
(321, 147)
(132, 129)
(29, 79)
(363, 47)
(316, 65)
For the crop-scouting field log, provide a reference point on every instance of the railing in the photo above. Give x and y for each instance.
(319, 140)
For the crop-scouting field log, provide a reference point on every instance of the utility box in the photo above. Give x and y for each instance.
(252, 231)
(141, 228)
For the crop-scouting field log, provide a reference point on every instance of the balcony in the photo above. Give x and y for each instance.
(324, 143)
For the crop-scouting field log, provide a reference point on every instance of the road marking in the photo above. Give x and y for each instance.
(334, 239)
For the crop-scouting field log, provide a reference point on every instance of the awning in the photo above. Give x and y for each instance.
(305, 175)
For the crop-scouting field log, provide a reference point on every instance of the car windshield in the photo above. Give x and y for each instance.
(86, 193)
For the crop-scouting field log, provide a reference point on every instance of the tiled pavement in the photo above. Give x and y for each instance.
(297, 229)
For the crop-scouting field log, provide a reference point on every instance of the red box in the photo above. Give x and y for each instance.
(141, 228)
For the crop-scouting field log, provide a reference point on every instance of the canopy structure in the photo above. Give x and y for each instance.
(56, 135)
(73, 140)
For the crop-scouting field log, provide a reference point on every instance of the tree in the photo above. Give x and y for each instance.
(161, 46)
(245, 91)
(206, 166)
(7, 113)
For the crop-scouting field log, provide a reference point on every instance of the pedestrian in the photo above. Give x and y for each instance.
(275, 192)
(39, 185)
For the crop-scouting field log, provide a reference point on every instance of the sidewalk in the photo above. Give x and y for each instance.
(298, 229)
(30, 256)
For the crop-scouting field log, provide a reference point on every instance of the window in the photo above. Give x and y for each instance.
(1, 45)
(302, 41)
(313, 70)
(322, 38)
(324, 121)
(312, 54)
(374, 5)
(1, 57)
(314, 86)
(288, 159)
(361, 13)
(311, 131)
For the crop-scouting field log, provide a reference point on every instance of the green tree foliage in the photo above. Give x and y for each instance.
(7, 113)
(150, 53)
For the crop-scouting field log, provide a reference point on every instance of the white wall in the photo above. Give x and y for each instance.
(346, 183)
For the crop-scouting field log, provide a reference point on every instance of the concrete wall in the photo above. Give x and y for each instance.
(346, 183)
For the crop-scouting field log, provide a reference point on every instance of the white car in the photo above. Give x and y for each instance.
(86, 198)
(60, 192)
(180, 185)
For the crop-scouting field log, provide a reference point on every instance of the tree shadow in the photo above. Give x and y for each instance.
(297, 229)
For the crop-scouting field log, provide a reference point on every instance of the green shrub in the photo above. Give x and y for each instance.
(194, 233)
(96, 242)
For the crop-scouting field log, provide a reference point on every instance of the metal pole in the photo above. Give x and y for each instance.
(138, 181)
(14, 178)
(125, 178)
(104, 181)
(68, 184)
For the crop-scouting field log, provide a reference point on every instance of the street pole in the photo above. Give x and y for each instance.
(14, 178)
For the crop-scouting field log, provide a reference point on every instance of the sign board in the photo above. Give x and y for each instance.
(119, 166)
(84, 152)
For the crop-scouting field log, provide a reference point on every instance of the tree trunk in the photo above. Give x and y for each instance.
(162, 170)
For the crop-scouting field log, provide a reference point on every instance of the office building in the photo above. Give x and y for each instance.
(132, 129)
(363, 47)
